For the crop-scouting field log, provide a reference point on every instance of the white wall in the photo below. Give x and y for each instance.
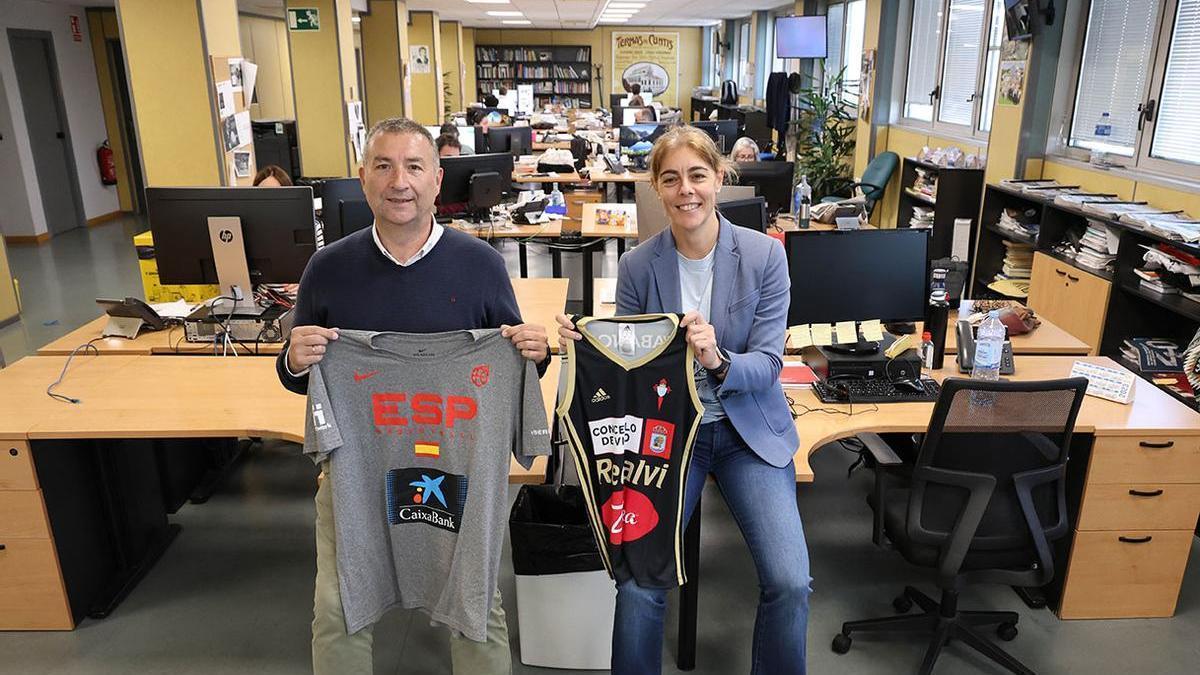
(19, 193)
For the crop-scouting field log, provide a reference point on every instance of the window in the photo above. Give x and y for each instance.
(845, 23)
(1139, 63)
(953, 56)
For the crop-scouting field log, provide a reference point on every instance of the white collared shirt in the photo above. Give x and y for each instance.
(434, 235)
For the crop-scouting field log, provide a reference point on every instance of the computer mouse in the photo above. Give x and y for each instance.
(913, 386)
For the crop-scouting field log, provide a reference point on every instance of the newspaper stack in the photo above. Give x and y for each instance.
(922, 218)
(1173, 226)
(1169, 271)
(1098, 247)
(1077, 200)
(1019, 223)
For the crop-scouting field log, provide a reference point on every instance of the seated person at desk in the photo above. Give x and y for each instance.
(635, 99)
(390, 277)
(744, 150)
(746, 437)
(272, 176)
(448, 146)
(645, 115)
(490, 101)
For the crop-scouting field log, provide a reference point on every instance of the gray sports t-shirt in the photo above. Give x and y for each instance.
(418, 430)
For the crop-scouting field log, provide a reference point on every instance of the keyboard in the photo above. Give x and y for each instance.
(875, 390)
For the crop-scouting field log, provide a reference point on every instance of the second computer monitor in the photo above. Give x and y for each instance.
(772, 180)
(334, 191)
(515, 140)
(457, 172)
(857, 275)
(723, 132)
(750, 213)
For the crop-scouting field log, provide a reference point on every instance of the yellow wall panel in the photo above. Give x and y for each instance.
(1096, 181)
(163, 53)
(470, 84)
(221, 27)
(8, 293)
(108, 103)
(319, 92)
(381, 62)
(1033, 168)
(450, 63)
(1168, 199)
(264, 42)
(425, 87)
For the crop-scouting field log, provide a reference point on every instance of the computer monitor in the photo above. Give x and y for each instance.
(750, 213)
(515, 140)
(231, 236)
(857, 275)
(637, 140)
(772, 180)
(800, 37)
(354, 215)
(723, 132)
(618, 100)
(333, 191)
(455, 195)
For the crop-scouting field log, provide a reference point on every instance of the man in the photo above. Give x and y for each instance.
(448, 145)
(402, 274)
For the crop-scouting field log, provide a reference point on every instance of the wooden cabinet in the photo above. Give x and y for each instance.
(32, 593)
(1135, 526)
(1070, 298)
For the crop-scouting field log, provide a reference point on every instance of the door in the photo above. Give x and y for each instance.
(128, 132)
(45, 117)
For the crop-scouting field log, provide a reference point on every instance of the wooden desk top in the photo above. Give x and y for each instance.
(509, 230)
(591, 229)
(1047, 340)
(526, 177)
(553, 145)
(627, 177)
(785, 223)
(1152, 411)
(170, 397)
(540, 300)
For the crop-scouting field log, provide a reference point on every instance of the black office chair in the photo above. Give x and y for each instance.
(983, 501)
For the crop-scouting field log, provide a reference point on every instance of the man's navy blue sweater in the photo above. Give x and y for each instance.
(461, 284)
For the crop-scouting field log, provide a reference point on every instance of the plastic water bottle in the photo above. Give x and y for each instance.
(989, 345)
(1102, 133)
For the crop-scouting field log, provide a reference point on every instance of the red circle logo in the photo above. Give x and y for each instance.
(480, 375)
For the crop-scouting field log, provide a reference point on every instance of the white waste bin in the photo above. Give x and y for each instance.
(566, 620)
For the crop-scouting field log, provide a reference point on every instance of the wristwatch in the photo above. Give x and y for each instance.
(724, 365)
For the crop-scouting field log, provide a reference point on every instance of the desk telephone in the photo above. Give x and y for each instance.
(126, 317)
(966, 351)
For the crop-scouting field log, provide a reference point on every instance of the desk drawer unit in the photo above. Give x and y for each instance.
(16, 466)
(1069, 298)
(32, 595)
(1135, 527)
(1125, 574)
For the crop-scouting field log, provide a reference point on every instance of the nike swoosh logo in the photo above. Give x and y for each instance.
(359, 377)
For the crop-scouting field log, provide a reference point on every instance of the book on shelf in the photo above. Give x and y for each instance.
(1158, 287)
(1151, 354)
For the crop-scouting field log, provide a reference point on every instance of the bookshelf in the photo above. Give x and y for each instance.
(956, 196)
(559, 74)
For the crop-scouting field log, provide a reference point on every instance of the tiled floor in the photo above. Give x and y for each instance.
(233, 594)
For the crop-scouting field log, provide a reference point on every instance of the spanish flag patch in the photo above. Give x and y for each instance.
(427, 450)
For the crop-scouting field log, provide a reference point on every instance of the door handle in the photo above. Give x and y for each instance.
(1072, 278)
(1157, 446)
(1135, 540)
(2, 547)
(1146, 493)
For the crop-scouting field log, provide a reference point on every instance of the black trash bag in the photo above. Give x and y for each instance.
(549, 530)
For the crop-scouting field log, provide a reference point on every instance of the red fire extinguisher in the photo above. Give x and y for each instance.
(108, 168)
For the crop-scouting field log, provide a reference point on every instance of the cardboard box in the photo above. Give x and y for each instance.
(156, 292)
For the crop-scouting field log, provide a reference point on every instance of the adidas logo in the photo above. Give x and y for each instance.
(600, 396)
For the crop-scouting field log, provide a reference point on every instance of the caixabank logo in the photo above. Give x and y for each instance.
(421, 495)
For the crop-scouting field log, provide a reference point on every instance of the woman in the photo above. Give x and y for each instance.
(736, 278)
(744, 150)
(272, 176)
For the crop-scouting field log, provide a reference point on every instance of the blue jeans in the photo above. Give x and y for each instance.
(762, 499)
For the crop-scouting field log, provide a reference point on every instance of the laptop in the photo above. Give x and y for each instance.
(652, 217)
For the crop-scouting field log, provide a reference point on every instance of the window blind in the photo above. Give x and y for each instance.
(923, 58)
(995, 37)
(1177, 127)
(960, 70)
(856, 25)
(1112, 77)
(833, 35)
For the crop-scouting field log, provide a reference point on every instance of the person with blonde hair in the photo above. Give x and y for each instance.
(733, 287)
(744, 150)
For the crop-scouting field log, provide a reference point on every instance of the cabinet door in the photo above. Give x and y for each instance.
(1070, 298)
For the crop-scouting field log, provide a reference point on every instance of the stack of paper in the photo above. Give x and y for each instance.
(1076, 200)
(1117, 209)
(1173, 226)
(1168, 270)
(1018, 261)
(922, 218)
(925, 183)
(1026, 185)
(1098, 247)
(1021, 223)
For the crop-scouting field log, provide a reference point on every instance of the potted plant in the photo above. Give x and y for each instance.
(824, 138)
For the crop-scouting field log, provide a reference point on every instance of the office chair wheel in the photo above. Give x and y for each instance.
(1007, 631)
(841, 643)
(902, 604)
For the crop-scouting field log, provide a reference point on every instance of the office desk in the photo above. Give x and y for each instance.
(1047, 340)
(526, 176)
(553, 145)
(539, 300)
(81, 512)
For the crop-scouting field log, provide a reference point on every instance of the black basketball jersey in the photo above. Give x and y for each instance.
(631, 412)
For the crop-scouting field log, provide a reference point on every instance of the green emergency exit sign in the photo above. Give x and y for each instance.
(304, 18)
